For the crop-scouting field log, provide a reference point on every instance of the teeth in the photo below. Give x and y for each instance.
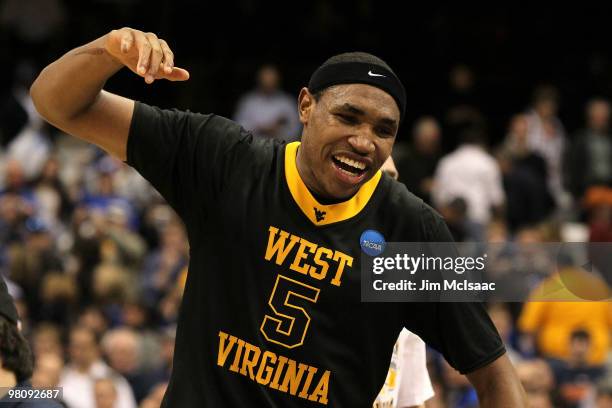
(350, 162)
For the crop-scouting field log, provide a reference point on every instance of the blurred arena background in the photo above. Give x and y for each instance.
(507, 134)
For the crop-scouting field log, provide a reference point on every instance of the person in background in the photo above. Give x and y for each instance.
(47, 371)
(462, 103)
(603, 394)
(546, 135)
(267, 111)
(549, 324)
(417, 162)
(105, 393)
(500, 315)
(528, 198)
(471, 174)
(574, 375)
(588, 160)
(84, 367)
(122, 347)
(538, 382)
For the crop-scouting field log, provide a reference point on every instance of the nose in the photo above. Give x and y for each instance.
(362, 142)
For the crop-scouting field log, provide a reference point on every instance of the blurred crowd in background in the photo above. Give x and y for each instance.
(96, 260)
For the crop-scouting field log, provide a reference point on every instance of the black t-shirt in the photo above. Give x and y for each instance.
(271, 314)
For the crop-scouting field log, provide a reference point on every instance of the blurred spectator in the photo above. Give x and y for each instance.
(54, 203)
(31, 146)
(13, 214)
(460, 393)
(155, 397)
(112, 286)
(267, 111)
(588, 160)
(47, 371)
(574, 376)
(84, 367)
(416, 163)
(500, 315)
(47, 339)
(122, 347)
(546, 135)
(59, 294)
(162, 266)
(551, 323)
(103, 195)
(538, 382)
(15, 183)
(603, 396)
(528, 198)
(471, 174)
(122, 245)
(598, 205)
(105, 393)
(462, 103)
(32, 262)
(93, 318)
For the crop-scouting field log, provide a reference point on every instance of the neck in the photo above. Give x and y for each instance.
(306, 175)
(84, 368)
(7, 381)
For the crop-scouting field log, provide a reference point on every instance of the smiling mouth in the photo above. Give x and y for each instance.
(350, 167)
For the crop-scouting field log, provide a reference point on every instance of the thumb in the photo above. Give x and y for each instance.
(177, 74)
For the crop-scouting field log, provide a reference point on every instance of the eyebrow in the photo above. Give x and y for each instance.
(358, 111)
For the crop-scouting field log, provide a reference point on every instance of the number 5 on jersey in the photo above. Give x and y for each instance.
(290, 321)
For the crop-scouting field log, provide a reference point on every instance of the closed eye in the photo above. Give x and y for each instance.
(348, 119)
(384, 131)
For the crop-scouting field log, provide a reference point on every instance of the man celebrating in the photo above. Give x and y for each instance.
(271, 314)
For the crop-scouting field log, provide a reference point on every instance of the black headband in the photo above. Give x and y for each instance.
(359, 73)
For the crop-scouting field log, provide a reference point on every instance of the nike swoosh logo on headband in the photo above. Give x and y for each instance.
(370, 73)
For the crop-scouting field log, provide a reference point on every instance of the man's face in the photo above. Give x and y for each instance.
(83, 348)
(348, 135)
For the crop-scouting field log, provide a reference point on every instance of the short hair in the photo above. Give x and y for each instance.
(545, 93)
(580, 334)
(96, 337)
(14, 351)
(356, 56)
(474, 134)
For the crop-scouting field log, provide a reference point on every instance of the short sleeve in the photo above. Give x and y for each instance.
(461, 331)
(186, 156)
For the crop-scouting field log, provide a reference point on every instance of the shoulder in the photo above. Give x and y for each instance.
(411, 214)
(145, 114)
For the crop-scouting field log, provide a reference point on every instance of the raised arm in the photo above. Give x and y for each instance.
(69, 92)
(498, 385)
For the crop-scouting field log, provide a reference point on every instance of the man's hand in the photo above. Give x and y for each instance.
(69, 95)
(145, 54)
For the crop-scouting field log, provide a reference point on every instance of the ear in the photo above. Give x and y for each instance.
(306, 103)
